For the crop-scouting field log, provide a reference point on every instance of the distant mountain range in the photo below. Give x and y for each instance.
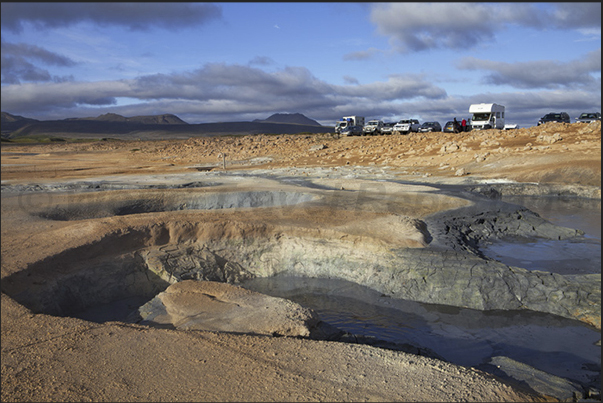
(112, 125)
(147, 120)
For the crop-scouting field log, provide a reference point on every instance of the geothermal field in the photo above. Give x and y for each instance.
(306, 267)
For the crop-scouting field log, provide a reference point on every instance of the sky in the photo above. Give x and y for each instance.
(228, 61)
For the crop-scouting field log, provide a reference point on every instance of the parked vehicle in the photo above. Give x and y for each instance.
(388, 128)
(457, 127)
(373, 127)
(561, 117)
(487, 116)
(449, 127)
(406, 126)
(354, 130)
(348, 121)
(588, 117)
(430, 127)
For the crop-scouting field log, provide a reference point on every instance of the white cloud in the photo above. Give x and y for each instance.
(18, 63)
(422, 26)
(576, 15)
(46, 96)
(219, 88)
(540, 74)
(590, 34)
(414, 27)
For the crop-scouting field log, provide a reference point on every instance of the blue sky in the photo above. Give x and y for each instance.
(221, 62)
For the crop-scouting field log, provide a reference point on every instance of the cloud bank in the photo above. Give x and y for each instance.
(217, 91)
(415, 27)
(135, 16)
(540, 74)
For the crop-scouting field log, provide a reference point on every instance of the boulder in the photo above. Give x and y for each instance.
(221, 307)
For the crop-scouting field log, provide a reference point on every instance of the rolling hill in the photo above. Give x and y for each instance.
(166, 119)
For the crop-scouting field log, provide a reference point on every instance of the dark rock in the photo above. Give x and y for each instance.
(175, 263)
(539, 381)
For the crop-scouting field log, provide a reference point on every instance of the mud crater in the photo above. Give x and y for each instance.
(143, 260)
(79, 208)
(119, 268)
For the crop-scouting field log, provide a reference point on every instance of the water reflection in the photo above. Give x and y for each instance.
(553, 344)
(578, 256)
(562, 257)
(571, 212)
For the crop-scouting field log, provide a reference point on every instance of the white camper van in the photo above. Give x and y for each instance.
(487, 116)
(349, 121)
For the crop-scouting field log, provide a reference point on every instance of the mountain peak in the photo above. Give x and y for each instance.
(111, 117)
(293, 118)
(9, 118)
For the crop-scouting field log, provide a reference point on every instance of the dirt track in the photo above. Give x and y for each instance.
(47, 358)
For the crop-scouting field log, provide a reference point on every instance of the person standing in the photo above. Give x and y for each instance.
(464, 125)
(456, 125)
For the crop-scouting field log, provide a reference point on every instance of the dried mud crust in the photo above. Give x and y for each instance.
(49, 358)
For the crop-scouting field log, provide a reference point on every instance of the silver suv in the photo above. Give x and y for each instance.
(373, 127)
(406, 126)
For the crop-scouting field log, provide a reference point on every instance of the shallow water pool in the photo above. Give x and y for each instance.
(577, 256)
(556, 345)
(559, 346)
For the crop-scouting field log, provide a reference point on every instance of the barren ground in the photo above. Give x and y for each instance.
(47, 358)
(545, 154)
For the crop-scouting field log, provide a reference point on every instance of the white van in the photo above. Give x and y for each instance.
(487, 116)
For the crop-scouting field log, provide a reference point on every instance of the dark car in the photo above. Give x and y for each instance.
(352, 131)
(588, 117)
(430, 127)
(561, 117)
